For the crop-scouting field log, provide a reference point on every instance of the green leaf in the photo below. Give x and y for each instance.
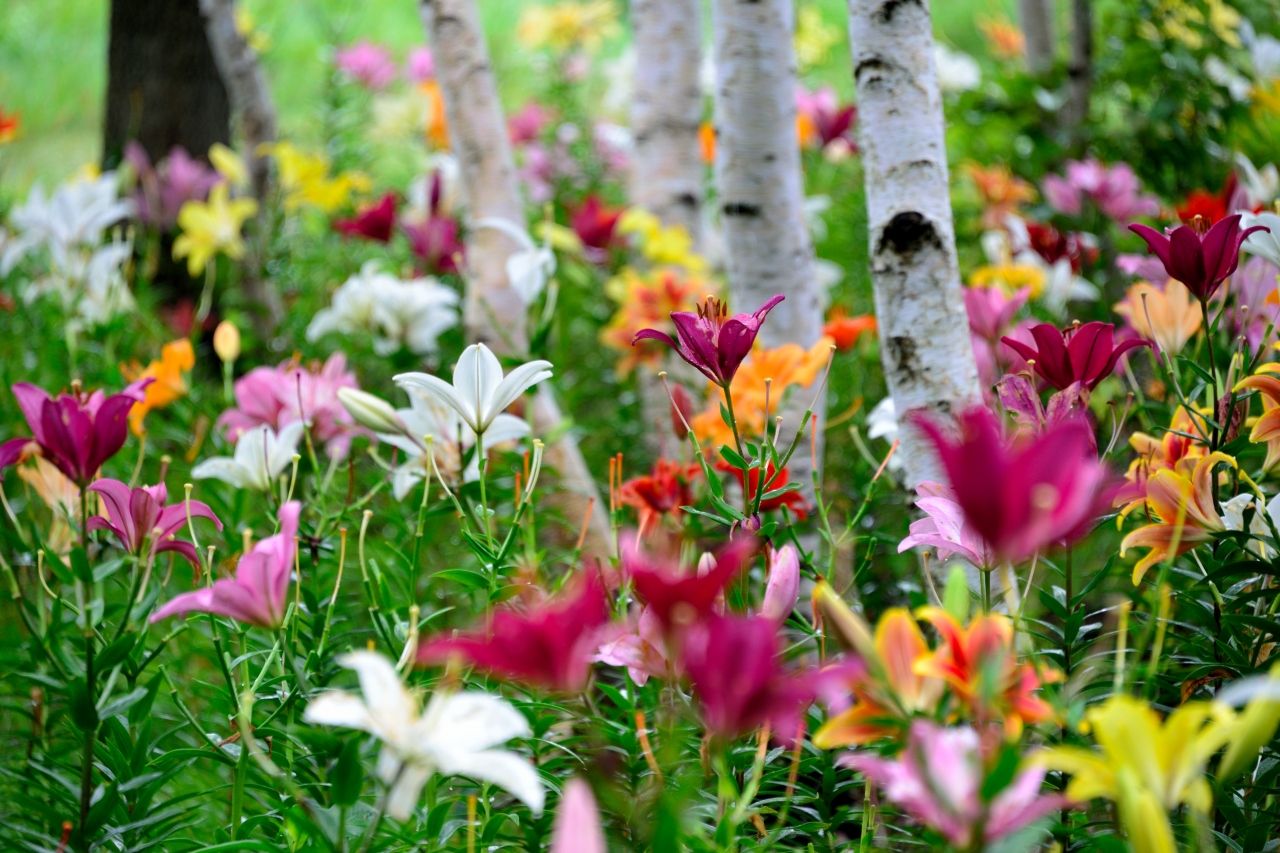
(347, 777)
(116, 652)
(956, 598)
(731, 456)
(711, 516)
(83, 712)
(466, 577)
(124, 703)
(80, 565)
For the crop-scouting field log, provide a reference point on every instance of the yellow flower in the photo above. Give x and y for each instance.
(669, 244)
(212, 227)
(814, 38)
(567, 25)
(1266, 97)
(1009, 277)
(1175, 316)
(1224, 20)
(305, 179)
(646, 302)
(1145, 766)
(229, 164)
(177, 358)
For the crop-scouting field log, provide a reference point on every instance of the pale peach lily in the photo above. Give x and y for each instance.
(1267, 427)
(1174, 316)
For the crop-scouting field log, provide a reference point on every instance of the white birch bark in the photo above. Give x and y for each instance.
(666, 176)
(924, 334)
(761, 185)
(252, 105)
(1036, 17)
(496, 313)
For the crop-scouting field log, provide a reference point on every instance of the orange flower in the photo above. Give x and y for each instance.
(1002, 193)
(8, 126)
(1267, 427)
(1005, 39)
(886, 686)
(645, 301)
(980, 665)
(437, 127)
(1183, 494)
(845, 330)
(707, 142)
(788, 365)
(176, 359)
(662, 492)
(1155, 454)
(1175, 316)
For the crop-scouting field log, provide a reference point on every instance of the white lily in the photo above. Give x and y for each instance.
(454, 736)
(1233, 518)
(76, 215)
(260, 458)
(530, 268)
(1264, 244)
(957, 71)
(479, 392)
(1262, 185)
(396, 313)
(882, 422)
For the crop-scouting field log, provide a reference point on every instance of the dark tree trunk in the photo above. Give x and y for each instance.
(1080, 69)
(163, 86)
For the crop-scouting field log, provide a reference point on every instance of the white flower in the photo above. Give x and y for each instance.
(882, 422)
(454, 736)
(260, 457)
(957, 71)
(370, 412)
(397, 313)
(1219, 72)
(479, 392)
(1264, 244)
(1233, 518)
(1264, 52)
(445, 166)
(76, 215)
(1262, 185)
(530, 267)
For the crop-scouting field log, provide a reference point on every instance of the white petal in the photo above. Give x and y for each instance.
(404, 794)
(508, 770)
(477, 378)
(471, 720)
(339, 708)
(252, 451)
(284, 448)
(391, 707)
(504, 428)
(440, 390)
(506, 226)
(224, 469)
(517, 382)
(405, 478)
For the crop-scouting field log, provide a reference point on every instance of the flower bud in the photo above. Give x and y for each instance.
(371, 412)
(783, 588)
(226, 341)
(841, 624)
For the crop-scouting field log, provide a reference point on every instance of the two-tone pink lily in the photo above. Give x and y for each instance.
(141, 522)
(710, 339)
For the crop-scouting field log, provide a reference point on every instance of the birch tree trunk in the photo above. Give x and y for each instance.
(1080, 68)
(924, 336)
(1036, 17)
(495, 311)
(761, 184)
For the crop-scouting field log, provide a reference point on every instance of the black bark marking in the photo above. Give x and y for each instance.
(875, 65)
(908, 233)
(905, 357)
(884, 15)
(740, 208)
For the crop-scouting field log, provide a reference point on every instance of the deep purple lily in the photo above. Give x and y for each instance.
(1086, 354)
(1200, 257)
(77, 432)
(710, 339)
(258, 594)
(141, 521)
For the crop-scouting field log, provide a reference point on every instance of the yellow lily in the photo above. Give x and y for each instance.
(1267, 427)
(212, 227)
(1175, 317)
(305, 179)
(669, 244)
(1146, 766)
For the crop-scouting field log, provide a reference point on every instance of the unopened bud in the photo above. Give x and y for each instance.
(226, 341)
(371, 412)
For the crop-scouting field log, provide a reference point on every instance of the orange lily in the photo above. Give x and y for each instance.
(647, 300)
(1267, 427)
(980, 665)
(1175, 316)
(176, 359)
(886, 685)
(1155, 454)
(1002, 192)
(845, 330)
(1180, 501)
(8, 127)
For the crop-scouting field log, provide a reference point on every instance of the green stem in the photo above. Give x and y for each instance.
(90, 682)
(985, 577)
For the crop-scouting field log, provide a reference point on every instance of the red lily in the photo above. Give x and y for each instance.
(791, 499)
(77, 432)
(1086, 354)
(595, 225)
(662, 492)
(678, 598)
(1200, 257)
(548, 646)
(373, 222)
(711, 340)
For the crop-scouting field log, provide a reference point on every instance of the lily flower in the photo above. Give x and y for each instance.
(456, 735)
(642, 648)
(979, 663)
(577, 828)
(260, 458)
(290, 392)
(846, 331)
(1199, 256)
(479, 392)
(678, 598)
(169, 380)
(411, 314)
(1267, 427)
(596, 226)
(141, 522)
(1114, 189)
(1266, 242)
(647, 300)
(660, 493)
(77, 432)
(791, 498)
(711, 340)
(783, 587)
(212, 227)
(1182, 440)
(735, 665)
(1085, 354)
(939, 779)
(374, 222)
(531, 266)
(991, 312)
(1145, 766)
(1026, 495)
(944, 528)
(367, 64)
(1185, 490)
(259, 593)
(1174, 316)
(549, 646)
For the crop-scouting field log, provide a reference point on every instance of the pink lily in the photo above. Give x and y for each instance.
(258, 594)
(938, 780)
(279, 396)
(577, 828)
(711, 340)
(990, 311)
(1025, 495)
(77, 432)
(367, 64)
(1114, 189)
(783, 588)
(642, 648)
(944, 528)
(1200, 257)
(142, 523)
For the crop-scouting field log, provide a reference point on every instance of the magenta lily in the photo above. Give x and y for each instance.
(77, 432)
(258, 594)
(710, 339)
(990, 311)
(680, 598)
(142, 523)
(1086, 354)
(1200, 258)
(944, 528)
(1022, 496)
(939, 778)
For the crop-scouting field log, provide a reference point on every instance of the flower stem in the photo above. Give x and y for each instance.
(90, 685)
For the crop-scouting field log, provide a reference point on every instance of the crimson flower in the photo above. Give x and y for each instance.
(549, 646)
(77, 432)
(436, 243)
(595, 226)
(735, 664)
(142, 523)
(791, 499)
(676, 597)
(1196, 255)
(1023, 496)
(710, 339)
(1086, 354)
(663, 491)
(373, 222)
